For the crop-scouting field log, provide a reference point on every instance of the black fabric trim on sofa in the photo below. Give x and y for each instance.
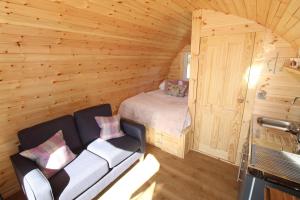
(22, 166)
(136, 131)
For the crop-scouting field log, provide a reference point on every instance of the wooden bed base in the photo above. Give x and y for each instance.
(170, 143)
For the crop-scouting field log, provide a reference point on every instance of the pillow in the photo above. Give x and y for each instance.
(52, 155)
(174, 89)
(178, 82)
(162, 85)
(183, 82)
(110, 127)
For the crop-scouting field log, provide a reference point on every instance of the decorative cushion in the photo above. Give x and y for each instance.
(52, 155)
(162, 85)
(186, 83)
(88, 128)
(110, 127)
(173, 88)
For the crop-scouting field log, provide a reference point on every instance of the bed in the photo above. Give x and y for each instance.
(166, 118)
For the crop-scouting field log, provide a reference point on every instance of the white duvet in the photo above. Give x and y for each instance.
(158, 110)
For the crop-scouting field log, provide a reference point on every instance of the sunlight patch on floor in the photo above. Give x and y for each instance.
(147, 194)
(124, 188)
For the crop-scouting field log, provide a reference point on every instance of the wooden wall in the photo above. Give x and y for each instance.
(57, 57)
(176, 68)
(281, 87)
(276, 87)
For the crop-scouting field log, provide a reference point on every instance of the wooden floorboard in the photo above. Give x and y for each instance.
(195, 177)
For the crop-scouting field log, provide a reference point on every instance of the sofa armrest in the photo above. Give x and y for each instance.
(135, 130)
(34, 184)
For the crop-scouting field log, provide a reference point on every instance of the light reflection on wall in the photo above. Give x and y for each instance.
(253, 74)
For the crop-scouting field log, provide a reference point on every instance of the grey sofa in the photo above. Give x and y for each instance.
(98, 163)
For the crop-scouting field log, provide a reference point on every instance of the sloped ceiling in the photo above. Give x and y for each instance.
(163, 24)
(167, 16)
(281, 16)
(152, 23)
(169, 21)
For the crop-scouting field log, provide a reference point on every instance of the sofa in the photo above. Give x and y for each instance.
(97, 164)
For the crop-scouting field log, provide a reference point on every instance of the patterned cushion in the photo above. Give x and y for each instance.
(186, 83)
(52, 155)
(176, 88)
(162, 85)
(110, 127)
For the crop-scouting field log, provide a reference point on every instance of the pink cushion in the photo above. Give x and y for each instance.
(110, 127)
(178, 88)
(52, 155)
(185, 83)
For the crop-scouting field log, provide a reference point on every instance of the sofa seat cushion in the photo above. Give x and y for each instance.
(78, 176)
(115, 150)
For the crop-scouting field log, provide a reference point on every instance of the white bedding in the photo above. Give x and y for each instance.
(158, 110)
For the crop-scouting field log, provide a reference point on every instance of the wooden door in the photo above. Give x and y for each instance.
(224, 63)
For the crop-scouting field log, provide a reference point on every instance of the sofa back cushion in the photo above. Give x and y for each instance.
(36, 135)
(86, 123)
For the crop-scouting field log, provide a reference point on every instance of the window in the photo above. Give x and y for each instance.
(186, 65)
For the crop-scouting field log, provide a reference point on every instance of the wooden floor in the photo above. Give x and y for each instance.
(195, 177)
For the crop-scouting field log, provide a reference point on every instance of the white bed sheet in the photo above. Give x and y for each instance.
(157, 110)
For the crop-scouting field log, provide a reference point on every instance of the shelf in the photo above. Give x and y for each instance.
(292, 70)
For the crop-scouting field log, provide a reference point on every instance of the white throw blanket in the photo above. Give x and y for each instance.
(158, 110)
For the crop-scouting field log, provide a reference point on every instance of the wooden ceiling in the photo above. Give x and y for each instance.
(281, 16)
(152, 23)
(169, 21)
(158, 23)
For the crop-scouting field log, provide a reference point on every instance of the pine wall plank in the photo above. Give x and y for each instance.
(176, 68)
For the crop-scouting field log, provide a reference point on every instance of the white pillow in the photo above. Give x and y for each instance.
(162, 85)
